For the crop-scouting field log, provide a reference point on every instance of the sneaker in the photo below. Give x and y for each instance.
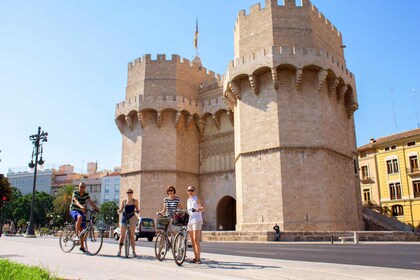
(198, 262)
(193, 261)
(119, 254)
(76, 238)
(134, 255)
(82, 249)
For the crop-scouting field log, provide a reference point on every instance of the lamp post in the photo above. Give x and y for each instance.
(37, 140)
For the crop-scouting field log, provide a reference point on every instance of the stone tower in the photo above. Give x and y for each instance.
(271, 142)
(171, 106)
(293, 100)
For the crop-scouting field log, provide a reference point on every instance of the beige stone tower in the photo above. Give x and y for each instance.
(293, 100)
(163, 121)
(271, 142)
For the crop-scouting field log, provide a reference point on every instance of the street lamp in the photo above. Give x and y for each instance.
(37, 140)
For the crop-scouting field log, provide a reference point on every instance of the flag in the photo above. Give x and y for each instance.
(196, 34)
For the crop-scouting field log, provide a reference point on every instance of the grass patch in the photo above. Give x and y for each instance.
(16, 271)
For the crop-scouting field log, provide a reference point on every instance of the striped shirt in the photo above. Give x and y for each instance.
(171, 205)
(82, 200)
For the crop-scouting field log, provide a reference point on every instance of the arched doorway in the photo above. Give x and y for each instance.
(226, 213)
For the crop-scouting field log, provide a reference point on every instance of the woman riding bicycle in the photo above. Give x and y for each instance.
(128, 207)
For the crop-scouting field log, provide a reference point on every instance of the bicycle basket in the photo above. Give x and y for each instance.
(162, 223)
(180, 219)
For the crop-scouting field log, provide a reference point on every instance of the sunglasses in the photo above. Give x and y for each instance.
(129, 192)
(170, 191)
(190, 190)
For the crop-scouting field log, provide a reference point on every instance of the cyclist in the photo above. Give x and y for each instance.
(77, 210)
(128, 207)
(170, 204)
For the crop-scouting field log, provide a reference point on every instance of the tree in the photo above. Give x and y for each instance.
(5, 190)
(109, 213)
(62, 202)
(7, 211)
(42, 206)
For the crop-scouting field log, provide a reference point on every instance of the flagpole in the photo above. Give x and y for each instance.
(196, 38)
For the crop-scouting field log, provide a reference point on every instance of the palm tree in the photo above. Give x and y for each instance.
(63, 200)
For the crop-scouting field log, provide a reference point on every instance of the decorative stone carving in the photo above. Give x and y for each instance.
(220, 144)
(253, 80)
(140, 118)
(299, 74)
(322, 76)
(275, 78)
(332, 86)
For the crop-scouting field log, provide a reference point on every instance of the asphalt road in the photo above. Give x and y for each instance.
(392, 255)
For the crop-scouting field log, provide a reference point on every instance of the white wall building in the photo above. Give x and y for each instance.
(24, 181)
(111, 188)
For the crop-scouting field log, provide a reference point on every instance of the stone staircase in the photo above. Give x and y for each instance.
(375, 221)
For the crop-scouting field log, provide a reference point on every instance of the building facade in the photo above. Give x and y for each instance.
(390, 175)
(111, 188)
(273, 141)
(24, 181)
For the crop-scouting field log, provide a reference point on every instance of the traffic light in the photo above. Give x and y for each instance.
(3, 201)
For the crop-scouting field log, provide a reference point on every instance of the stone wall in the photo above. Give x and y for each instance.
(261, 236)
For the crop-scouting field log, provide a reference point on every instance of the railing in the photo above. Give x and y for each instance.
(413, 171)
(367, 179)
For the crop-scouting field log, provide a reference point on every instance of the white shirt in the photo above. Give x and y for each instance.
(194, 216)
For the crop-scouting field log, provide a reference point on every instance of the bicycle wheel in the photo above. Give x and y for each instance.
(161, 247)
(127, 243)
(66, 239)
(93, 240)
(179, 249)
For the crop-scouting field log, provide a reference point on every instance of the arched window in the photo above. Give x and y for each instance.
(397, 210)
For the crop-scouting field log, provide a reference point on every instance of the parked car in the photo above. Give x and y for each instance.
(145, 228)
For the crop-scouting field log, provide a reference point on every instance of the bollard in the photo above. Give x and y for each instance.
(332, 239)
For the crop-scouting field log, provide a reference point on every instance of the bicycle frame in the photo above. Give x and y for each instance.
(67, 237)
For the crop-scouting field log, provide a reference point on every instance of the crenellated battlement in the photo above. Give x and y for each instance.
(299, 57)
(282, 5)
(175, 59)
(211, 103)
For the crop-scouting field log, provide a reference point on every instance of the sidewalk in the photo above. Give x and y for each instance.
(45, 252)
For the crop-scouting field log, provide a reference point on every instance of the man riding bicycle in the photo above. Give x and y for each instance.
(77, 210)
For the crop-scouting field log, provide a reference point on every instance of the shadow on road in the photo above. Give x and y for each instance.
(235, 265)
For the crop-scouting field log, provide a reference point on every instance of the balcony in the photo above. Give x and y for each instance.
(367, 179)
(413, 171)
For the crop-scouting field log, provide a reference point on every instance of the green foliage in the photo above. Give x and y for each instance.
(19, 208)
(62, 203)
(7, 211)
(5, 189)
(109, 213)
(16, 271)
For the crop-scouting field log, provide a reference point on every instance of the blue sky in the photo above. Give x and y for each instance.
(63, 66)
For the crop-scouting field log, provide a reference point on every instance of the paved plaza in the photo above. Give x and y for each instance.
(45, 252)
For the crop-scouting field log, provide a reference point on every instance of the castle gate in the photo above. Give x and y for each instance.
(226, 213)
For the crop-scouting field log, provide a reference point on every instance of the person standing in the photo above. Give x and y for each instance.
(277, 232)
(170, 204)
(195, 223)
(77, 211)
(129, 207)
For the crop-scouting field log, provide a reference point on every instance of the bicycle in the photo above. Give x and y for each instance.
(162, 242)
(179, 249)
(127, 239)
(93, 236)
